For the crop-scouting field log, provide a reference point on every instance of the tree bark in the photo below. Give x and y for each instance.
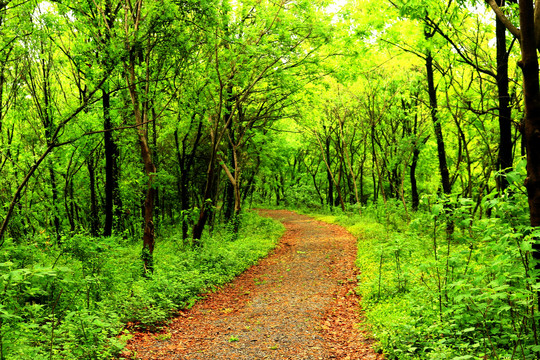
(112, 198)
(415, 198)
(531, 123)
(333, 181)
(505, 158)
(149, 168)
(208, 197)
(94, 219)
(234, 180)
(349, 165)
(329, 177)
(229, 187)
(441, 152)
(113, 205)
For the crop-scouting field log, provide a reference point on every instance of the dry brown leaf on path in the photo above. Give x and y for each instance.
(298, 303)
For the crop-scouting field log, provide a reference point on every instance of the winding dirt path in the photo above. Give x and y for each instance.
(298, 303)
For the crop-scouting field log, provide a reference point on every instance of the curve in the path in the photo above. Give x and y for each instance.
(298, 303)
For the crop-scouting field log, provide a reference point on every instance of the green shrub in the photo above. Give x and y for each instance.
(71, 301)
(430, 295)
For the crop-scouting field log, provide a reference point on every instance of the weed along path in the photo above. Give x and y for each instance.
(298, 303)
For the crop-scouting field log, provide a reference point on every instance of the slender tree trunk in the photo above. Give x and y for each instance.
(377, 176)
(149, 168)
(329, 173)
(54, 187)
(338, 187)
(183, 181)
(349, 167)
(185, 164)
(251, 182)
(229, 196)
(68, 198)
(2, 81)
(234, 180)
(505, 158)
(94, 222)
(207, 201)
(47, 119)
(330, 194)
(229, 188)
(531, 123)
(112, 198)
(155, 158)
(415, 198)
(441, 152)
(113, 204)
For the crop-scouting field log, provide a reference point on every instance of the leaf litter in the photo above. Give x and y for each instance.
(298, 303)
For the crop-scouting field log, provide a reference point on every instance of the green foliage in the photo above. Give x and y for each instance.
(306, 108)
(72, 301)
(430, 295)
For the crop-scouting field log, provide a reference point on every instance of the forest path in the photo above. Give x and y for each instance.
(298, 303)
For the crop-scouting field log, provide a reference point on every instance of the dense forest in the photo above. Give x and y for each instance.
(135, 137)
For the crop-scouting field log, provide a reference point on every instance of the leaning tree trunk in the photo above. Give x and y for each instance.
(149, 168)
(441, 152)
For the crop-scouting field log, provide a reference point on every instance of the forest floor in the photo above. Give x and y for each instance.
(298, 303)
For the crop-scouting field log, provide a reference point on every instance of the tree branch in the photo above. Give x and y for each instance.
(507, 23)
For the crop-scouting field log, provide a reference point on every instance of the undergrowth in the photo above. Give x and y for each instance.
(73, 300)
(432, 294)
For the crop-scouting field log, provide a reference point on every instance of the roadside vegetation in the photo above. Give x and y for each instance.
(135, 134)
(80, 298)
(428, 294)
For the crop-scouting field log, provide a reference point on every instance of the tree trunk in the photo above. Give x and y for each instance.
(339, 198)
(415, 198)
(330, 193)
(248, 189)
(349, 166)
(183, 181)
(505, 158)
(229, 199)
(94, 222)
(441, 152)
(149, 168)
(531, 123)
(207, 205)
(377, 176)
(54, 187)
(234, 180)
(185, 163)
(112, 197)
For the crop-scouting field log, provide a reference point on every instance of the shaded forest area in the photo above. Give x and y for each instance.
(129, 124)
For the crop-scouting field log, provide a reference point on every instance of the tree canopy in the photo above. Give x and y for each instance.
(124, 119)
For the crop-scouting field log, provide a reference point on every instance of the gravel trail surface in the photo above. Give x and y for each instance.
(298, 303)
